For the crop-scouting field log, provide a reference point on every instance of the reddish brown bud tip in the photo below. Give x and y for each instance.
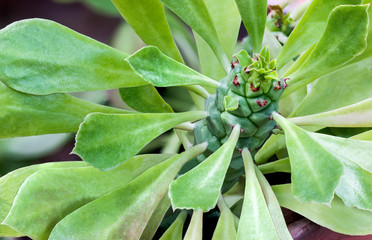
(241, 130)
(232, 126)
(240, 150)
(270, 117)
(277, 86)
(235, 81)
(246, 70)
(285, 82)
(261, 103)
(253, 88)
(233, 64)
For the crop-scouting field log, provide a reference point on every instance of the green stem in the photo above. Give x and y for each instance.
(172, 145)
(281, 165)
(199, 90)
(187, 126)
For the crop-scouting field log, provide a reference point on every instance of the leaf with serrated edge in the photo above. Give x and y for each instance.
(44, 57)
(174, 232)
(350, 24)
(337, 217)
(11, 182)
(106, 140)
(123, 213)
(254, 13)
(62, 195)
(199, 188)
(322, 165)
(195, 14)
(310, 28)
(162, 71)
(255, 221)
(27, 115)
(356, 115)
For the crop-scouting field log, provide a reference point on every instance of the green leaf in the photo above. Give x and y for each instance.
(156, 218)
(356, 115)
(195, 14)
(337, 216)
(270, 147)
(147, 18)
(227, 24)
(310, 28)
(124, 212)
(353, 81)
(253, 13)
(27, 115)
(225, 229)
(274, 207)
(281, 165)
(10, 184)
(255, 220)
(44, 57)
(174, 232)
(323, 165)
(350, 25)
(106, 140)
(162, 71)
(274, 45)
(144, 99)
(199, 188)
(53, 193)
(195, 229)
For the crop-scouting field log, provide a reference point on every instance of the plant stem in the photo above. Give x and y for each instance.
(199, 90)
(187, 126)
(281, 165)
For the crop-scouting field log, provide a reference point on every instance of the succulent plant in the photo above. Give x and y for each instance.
(324, 141)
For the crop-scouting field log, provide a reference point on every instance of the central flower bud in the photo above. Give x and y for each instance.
(247, 96)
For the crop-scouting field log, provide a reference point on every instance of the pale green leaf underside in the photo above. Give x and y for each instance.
(225, 229)
(310, 28)
(343, 87)
(27, 115)
(124, 212)
(350, 24)
(253, 13)
(54, 193)
(227, 24)
(147, 18)
(44, 57)
(338, 217)
(356, 115)
(162, 71)
(107, 140)
(322, 165)
(255, 221)
(10, 184)
(195, 14)
(199, 188)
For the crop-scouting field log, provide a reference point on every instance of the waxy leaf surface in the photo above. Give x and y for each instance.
(61, 194)
(162, 71)
(10, 184)
(343, 87)
(107, 140)
(27, 115)
(227, 24)
(44, 57)
(124, 212)
(195, 14)
(356, 115)
(337, 217)
(310, 28)
(254, 13)
(350, 24)
(147, 18)
(225, 229)
(323, 165)
(255, 221)
(199, 188)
